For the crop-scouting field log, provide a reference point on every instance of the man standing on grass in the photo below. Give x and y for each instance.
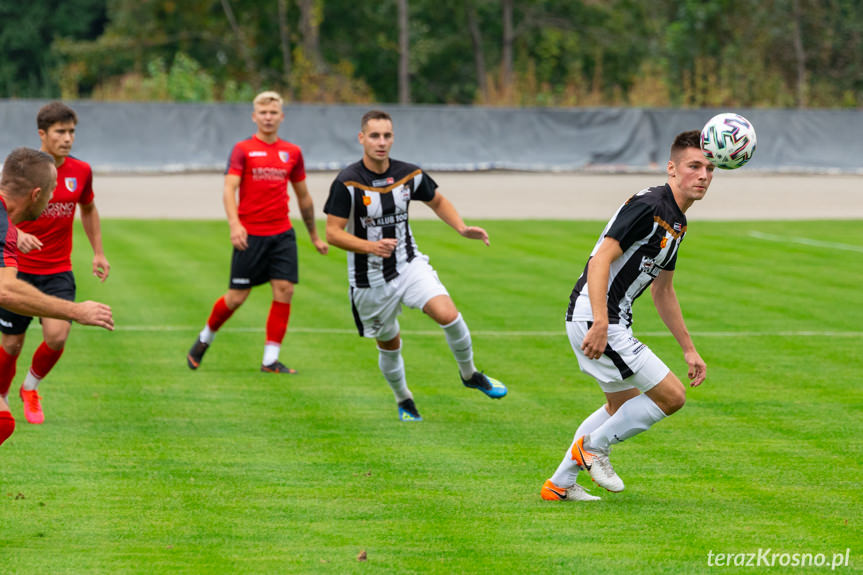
(637, 249)
(265, 246)
(27, 182)
(45, 258)
(385, 267)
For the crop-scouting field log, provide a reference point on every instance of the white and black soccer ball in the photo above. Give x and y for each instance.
(728, 140)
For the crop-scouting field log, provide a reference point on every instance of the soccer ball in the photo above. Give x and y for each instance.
(728, 140)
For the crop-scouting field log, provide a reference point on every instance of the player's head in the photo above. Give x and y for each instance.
(56, 124)
(268, 97)
(689, 171)
(376, 135)
(374, 115)
(29, 178)
(683, 141)
(268, 113)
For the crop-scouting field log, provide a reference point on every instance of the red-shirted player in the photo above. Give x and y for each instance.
(265, 247)
(45, 246)
(29, 177)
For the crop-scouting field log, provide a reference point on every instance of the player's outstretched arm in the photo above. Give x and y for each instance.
(307, 210)
(444, 209)
(339, 237)
(22, 298)
(665, 300)
(93, 229)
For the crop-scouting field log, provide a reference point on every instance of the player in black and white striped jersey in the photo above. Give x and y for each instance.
(638, 248)
(367, 215)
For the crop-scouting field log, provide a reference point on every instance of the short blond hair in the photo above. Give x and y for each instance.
(268, 97)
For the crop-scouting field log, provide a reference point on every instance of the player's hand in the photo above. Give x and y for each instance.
(475, 233)
(28, 242)
(697, 368)
(101, 267)
(239, 237)
(95, 313)
(384, 248)
(322, 246)
(595, 340)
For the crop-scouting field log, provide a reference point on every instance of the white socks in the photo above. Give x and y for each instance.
(633, 417)
(31, 382)
(393, 367)
(567, 471)
(603, 431)
(207, 335)
(458, 338)
(271, 353)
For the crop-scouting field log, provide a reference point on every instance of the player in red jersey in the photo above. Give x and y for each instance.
(26, 185)
(265, 247)
(45, 246)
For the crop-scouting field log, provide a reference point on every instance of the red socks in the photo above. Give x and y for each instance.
(44, 360)
(7, 425)
(277, 322)
(220, 314)
(7, 370)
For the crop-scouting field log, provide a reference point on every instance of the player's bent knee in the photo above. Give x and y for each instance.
(391, 344)
(282, 290)
(235, 298)
(669, 394)
(441, 309)
(56, 343)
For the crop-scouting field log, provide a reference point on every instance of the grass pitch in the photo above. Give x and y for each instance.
(144, 466)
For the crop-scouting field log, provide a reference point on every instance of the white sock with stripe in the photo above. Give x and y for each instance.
(393, 367)
(567, 471)
(633, 417)
(458, 338)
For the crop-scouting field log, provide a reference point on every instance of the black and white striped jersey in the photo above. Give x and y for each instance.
(649, 227)
(376, 207)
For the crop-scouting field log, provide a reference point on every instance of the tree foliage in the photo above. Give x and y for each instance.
(492, 52)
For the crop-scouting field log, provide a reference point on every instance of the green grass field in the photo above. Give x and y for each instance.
(144, 466)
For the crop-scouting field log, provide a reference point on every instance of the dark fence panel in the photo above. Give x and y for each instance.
(126, 136)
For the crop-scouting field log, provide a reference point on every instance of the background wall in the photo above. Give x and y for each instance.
(177, 137)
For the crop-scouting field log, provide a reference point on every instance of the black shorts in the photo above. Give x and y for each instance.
(60, 285)
(266, 258)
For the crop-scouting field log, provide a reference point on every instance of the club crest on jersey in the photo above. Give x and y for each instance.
(367, 201)
(383, 182)
(71, 184)
(284, 156)
(663, 242)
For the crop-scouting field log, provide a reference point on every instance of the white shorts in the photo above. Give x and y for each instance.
(626, 363)
(376, 309)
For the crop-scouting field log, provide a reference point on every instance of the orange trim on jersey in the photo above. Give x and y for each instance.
(386, 190)
(667, 227)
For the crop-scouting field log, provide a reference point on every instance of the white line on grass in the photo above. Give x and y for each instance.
(502, 333)
(805, 242)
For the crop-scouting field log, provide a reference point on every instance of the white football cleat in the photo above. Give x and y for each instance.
(551, 492)
(597, 465)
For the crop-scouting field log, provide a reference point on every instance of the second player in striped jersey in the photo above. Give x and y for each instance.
(367, 215)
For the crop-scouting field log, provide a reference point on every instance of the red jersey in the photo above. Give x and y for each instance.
(8, 239)
(265, 170)
(54, 225)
